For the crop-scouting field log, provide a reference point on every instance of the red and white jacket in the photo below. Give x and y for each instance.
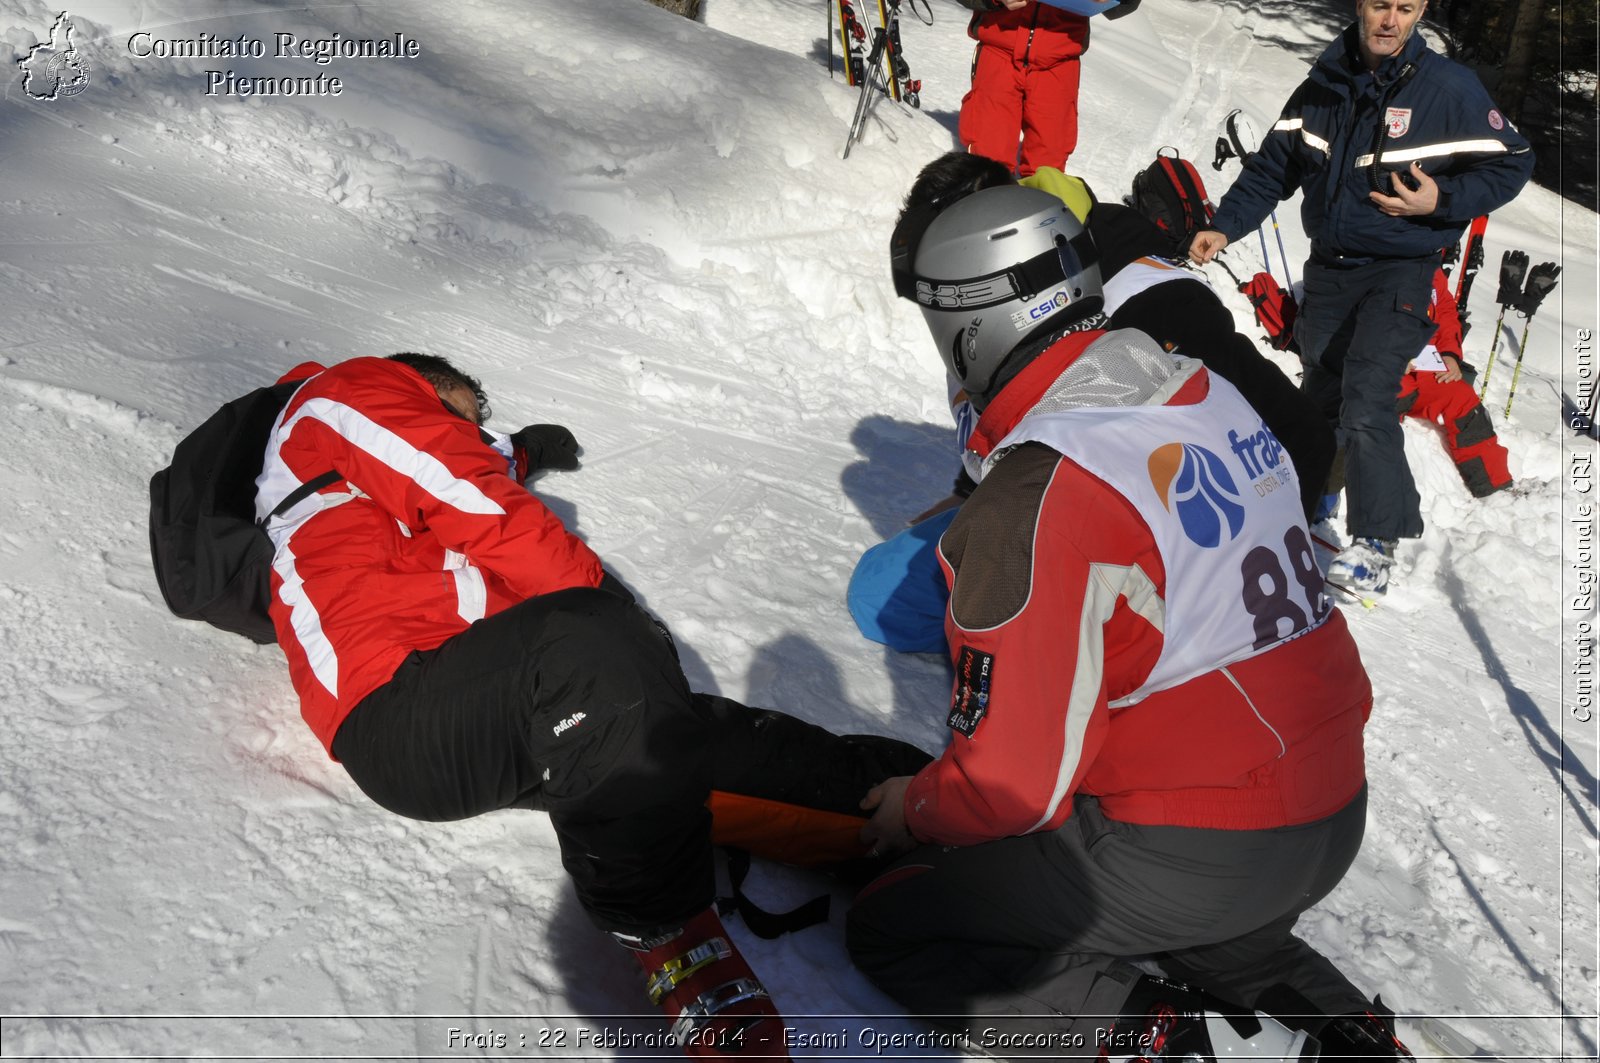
(1080, 627)
(429, 530)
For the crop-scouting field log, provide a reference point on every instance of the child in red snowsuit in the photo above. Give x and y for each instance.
(1024, 83)
(1442, 395)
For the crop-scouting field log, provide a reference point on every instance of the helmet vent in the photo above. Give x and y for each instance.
(1003, 234)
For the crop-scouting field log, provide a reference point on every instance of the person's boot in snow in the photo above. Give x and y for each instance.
(1166, 1020)
(1363, 566)
(1368, 1035)
(717, 1006)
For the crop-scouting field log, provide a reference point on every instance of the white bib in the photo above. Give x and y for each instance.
(1222, 501)
(1141, 275)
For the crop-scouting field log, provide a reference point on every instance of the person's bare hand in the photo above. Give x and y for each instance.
(1452, 369)
(1206, 244)
(1406, 202)
(886, 831)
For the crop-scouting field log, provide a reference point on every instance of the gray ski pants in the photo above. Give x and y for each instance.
(1034, 932)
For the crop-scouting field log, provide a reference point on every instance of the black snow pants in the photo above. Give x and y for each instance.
(1358, 328)
(574, 703)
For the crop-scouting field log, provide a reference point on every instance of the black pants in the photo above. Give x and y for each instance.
(1189, 316)
(1358, 329)
(572, 703)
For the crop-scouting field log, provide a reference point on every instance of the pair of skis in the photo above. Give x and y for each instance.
(1470, 256)
(876, 64)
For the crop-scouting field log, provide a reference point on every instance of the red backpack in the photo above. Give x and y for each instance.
(1170, 193)
(1275, 309)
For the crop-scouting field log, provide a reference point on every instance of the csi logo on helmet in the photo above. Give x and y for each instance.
(1195, 484)
(1027, 316)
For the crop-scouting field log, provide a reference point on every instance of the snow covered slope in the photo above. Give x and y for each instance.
(640, 227)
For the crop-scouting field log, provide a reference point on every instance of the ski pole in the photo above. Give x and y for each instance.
(1516, 373)
(868, 83)
(1488, 366)
(1541, 280)
(829, 37)
(1266, 259)
(1513, 269)
(1288, 277)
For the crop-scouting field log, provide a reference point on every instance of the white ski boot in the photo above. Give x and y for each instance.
(1165, 1022)
(1363, 566)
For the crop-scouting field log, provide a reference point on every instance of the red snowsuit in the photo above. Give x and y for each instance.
(1024, 83)
(1468, 431)
(441, 532)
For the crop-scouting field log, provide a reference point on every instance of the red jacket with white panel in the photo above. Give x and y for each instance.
(428, 530)
(1136, 613)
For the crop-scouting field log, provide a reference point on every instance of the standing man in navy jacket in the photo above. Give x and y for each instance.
(1396, 149)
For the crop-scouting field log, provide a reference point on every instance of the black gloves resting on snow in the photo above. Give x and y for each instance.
(1513, 267)
(1523, 289)
(549, 446)
(1541, 279)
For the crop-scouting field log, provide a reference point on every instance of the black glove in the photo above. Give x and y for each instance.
(1513, 266)
(549, 446)
(1541, 279)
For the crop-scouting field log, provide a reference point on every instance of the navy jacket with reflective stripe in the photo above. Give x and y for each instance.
(1440, 116)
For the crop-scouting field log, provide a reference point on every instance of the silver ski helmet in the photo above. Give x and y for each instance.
(998, 267)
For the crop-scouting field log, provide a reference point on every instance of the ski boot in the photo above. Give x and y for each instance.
(1368, 1035)
(1363, 566)
(1165, 1021)
(717, 1006)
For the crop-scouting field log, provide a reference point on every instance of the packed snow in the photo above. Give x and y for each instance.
(641, 227)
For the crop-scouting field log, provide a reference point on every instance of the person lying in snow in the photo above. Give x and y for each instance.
(459, 651)
(1437, 388)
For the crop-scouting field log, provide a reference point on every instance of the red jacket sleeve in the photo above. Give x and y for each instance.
(1029, 707)
(387, 433)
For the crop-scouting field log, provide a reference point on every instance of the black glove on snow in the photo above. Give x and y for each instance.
(1541, 279)
(1513, 266)
(549, 446)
